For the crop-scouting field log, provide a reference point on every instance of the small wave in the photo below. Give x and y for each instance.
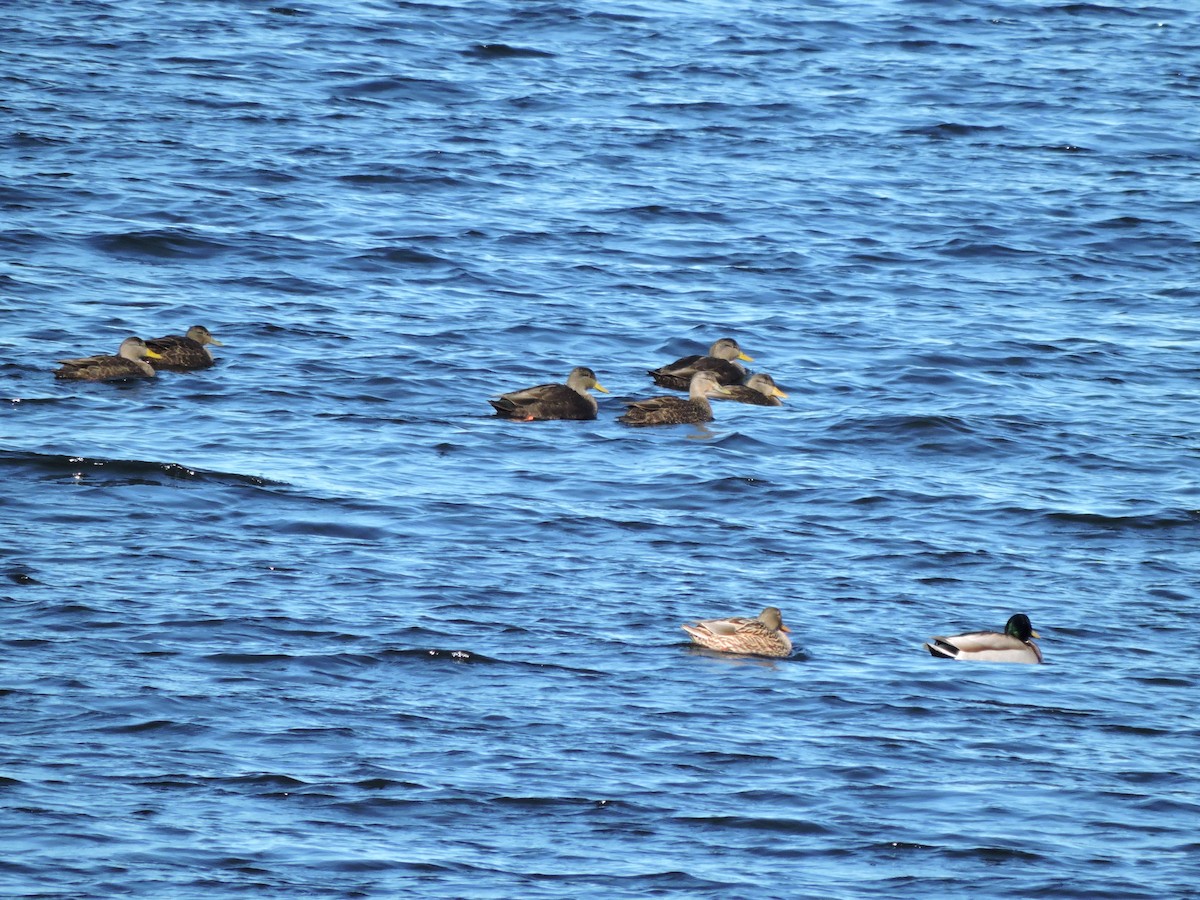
(506, 51)
(1161, 519)
(406, 176)
(151, 725)
(946, 130)
(1103, 11)
(1166, 681)
(331, 528)
(154, 246)
(244, 659)
(657, 212)
(401, 256)
(907, 423)
(326, 662)
(753, 823)
(404, 89)
(124, 471)
(432, 653)
(994, 854)
(737, 440)
(265, 779)
(932, 432)
(384, 784)
(463, 657)
(1064, 148)
(908, 845)
(647, 884)
(534, 802)
(966, 249)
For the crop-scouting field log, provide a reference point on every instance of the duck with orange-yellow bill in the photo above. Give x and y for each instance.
(694, 410)
(759, 390)
(182, 352)
(128, 362)
(1015, 644)
(720, 361)
(552, 401)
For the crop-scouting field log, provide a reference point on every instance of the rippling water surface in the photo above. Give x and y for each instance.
(313, 623)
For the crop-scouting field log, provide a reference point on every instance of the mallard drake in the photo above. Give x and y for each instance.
(552, 401)
(676, 410)
(129, 362)
(720, 361)
(177, 351)
(759, 390)
(765, 635)
(1014, 645)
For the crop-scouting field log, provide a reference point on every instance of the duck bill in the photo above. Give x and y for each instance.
(779, 393)
(1034, 634)
(745, 357)
(785, 628)
(151, 354)
(601, 388)
(215, 342)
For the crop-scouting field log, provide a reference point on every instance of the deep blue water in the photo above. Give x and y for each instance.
(312, 623)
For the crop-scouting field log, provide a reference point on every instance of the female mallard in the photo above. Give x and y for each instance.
(676, 410)
(129, 362)
(720, 361)
(763, 636)
(553, 401)
(991, 646)
(188, 351)
(759, 390)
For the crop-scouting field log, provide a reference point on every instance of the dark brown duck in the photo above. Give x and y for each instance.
(675, 410)
(552, 401)
(128, 362)
(184, 351)
(759, 390)
(720, 361)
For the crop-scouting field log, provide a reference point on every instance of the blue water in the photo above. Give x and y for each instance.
(313, 623)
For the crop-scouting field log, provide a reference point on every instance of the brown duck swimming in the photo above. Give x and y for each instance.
(765, 635)
(720, 361)
(1014, 645)
(177, 351)
(676, 410)
(552, 401)
(129, 362)
(759, 390)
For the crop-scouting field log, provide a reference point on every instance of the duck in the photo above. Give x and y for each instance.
(189, 351)
(552, 401)
(1014, 645)
(759, 390)
(675, 410)
(765, 635)
(128, 362)
(720, 361)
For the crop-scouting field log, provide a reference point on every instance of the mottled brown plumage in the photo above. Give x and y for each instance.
(183, 352)
(765, 635)
(720, 361)
(675, 410)
(128, 362)
(552, 401)
(1014, 645)
(759, 390)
